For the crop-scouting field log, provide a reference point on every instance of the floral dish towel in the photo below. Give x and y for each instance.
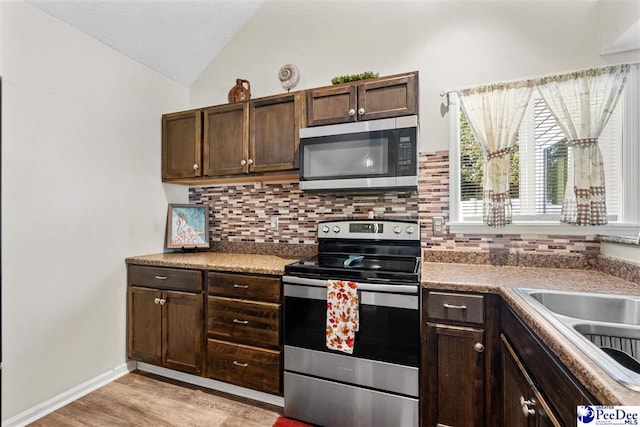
(342, 315)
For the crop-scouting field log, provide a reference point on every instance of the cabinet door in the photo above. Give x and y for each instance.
(181, 144)
(455, 376)
(275, 124)
(331, 105)
(515, 386)
(182, 331)
(392, 97)
(523, 405)
(144, 322)
(226, 140)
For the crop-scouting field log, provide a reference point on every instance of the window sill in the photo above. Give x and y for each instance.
(546, 228)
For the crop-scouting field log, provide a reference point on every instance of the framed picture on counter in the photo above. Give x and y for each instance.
(187, 226)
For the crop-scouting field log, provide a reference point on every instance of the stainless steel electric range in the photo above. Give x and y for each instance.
(377, 385)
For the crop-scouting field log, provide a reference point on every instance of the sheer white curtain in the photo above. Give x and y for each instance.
(582, 103)
(495, 113)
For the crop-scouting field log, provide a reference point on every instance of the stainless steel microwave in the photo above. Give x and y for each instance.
(368, 155)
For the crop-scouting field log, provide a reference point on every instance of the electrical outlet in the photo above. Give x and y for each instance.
(438, 225)
(274, 222)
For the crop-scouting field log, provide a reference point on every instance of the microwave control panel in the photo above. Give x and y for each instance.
(406, 154)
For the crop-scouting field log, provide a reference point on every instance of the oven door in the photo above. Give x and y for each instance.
(389, 320)
(377, 385)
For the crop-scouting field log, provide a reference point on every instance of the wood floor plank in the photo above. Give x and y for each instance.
(141, 399)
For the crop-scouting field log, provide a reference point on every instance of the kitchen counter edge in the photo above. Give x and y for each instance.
(232, 262)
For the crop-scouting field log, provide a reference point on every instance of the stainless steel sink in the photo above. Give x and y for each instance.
(605, 327)
(595, 307)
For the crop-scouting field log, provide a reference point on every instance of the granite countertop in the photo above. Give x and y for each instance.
(625, 240)
(237, 262)
(502, 280)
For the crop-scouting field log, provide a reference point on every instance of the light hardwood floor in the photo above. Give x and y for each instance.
(141, 399)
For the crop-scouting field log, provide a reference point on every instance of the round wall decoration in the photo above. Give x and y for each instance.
(289, 76)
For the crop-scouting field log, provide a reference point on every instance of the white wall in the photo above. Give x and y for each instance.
(81, 191)
(452, 44)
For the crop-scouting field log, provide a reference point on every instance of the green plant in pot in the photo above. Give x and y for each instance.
(354, 77)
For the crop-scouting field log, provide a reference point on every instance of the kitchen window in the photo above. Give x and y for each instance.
(538, 170)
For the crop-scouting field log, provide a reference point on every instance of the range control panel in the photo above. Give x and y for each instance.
(369, 229)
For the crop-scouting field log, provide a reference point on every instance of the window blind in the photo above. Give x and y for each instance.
(538, 172)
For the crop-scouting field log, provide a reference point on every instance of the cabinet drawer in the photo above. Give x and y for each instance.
(249, 322)
(245, 287)
(250, 367)
(164, 278)
(456, 307)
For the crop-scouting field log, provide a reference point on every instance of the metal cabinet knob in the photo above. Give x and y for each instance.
(360, 111)
(478, 347)
(250, 162)
(156, 301)
(243, 162)
(525, 404)
(352, 112)
(195, 167)
(162, 301)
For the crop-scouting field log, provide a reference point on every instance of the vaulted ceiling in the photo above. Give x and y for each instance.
(177, 38)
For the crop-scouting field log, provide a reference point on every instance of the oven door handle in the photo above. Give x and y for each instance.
(364, 297)
(372, 287)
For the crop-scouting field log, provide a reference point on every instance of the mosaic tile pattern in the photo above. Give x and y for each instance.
(242, 213)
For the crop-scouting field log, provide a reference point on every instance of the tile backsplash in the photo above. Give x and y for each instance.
(242, 213)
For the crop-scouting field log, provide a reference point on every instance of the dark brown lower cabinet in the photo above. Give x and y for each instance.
(166, 328)
(522, 404)
(535, 382)
(460, 359)
(144, 324)
(244, 345)
(455, 376)
(182, 331)
(244, 365)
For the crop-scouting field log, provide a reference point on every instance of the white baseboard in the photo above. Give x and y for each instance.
(56, 402)
(212, 384)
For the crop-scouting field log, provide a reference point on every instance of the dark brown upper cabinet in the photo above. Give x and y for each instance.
(226, 139)
(371, 99)
(274, 132)
(233, 140)
(181, 145)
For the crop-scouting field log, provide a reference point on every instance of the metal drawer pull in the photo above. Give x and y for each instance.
(244, 365)
(242, 322)
(156, 301)
(161, 277)
(241, 286)
(457, 307)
